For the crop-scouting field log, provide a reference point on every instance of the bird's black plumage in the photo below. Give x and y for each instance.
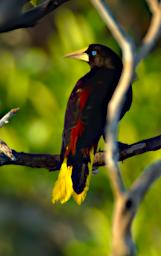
(86, 111)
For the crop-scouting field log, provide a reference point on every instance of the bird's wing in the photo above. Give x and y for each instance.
(74, 110)
(86, 109)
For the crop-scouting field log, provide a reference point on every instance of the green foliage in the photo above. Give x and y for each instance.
(34, 2)
(39, 81)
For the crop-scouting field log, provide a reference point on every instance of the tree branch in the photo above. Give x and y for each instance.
(114, 108)
(126, 202)
(145, 180)
(153, 32)
(126, 207)
(5, 119)
(12, 15)
(52, 162)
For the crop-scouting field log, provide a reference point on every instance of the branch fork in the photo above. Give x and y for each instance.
(123, 244)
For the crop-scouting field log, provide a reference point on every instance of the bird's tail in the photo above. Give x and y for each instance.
(73, 180)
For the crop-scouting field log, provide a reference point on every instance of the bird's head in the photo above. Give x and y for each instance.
(97, 55)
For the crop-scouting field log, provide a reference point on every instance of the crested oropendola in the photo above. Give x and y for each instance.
(85, 120)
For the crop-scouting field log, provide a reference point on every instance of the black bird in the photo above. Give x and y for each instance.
(85, 120)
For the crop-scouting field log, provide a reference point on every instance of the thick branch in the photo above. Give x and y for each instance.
(52, 162)
(47, 161)
(24, 19)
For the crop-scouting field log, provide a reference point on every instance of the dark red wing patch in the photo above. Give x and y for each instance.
(76, 132)
(84, 94)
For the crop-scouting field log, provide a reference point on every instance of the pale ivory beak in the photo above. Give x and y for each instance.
(80, 54)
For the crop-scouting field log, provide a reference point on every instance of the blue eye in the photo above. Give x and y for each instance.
(94, 53)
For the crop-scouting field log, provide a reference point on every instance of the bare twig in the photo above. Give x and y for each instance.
(153, 32)
(13, 16)
(146, 179)
(6, 151)
(5, 119)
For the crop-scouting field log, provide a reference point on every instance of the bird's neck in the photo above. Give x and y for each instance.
(104, 67)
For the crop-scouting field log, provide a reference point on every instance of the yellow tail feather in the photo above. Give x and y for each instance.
(79, 198)
(63, 188)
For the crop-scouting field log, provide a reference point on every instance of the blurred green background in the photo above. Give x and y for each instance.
(35, 77)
